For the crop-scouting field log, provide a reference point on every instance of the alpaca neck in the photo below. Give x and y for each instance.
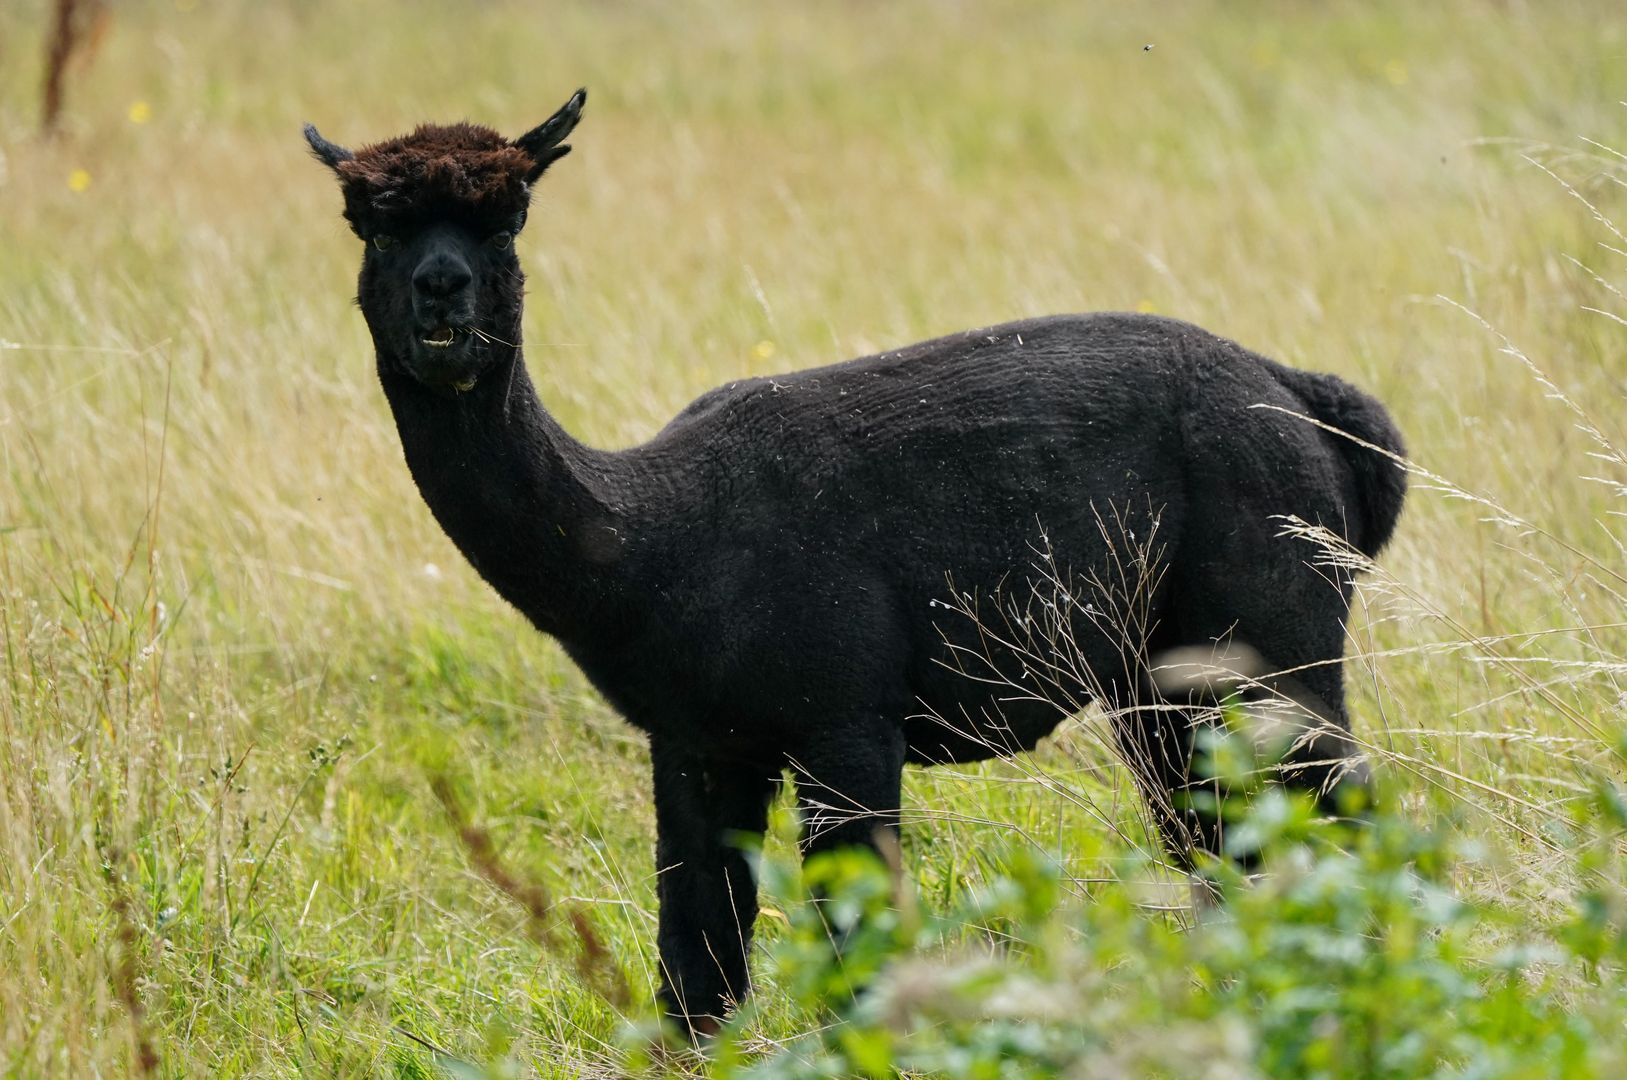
(525, 503)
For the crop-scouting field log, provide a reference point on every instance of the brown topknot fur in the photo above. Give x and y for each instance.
(462, 169)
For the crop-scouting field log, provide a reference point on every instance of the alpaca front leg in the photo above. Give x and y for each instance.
(850, 786)
(706, 887)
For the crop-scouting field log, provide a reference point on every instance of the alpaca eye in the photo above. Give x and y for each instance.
(384, 241)
(502, 240)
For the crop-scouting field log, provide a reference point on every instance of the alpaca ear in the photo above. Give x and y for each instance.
(329, 154)
(542, 141)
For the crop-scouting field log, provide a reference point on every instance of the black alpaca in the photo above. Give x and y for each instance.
(763, 585)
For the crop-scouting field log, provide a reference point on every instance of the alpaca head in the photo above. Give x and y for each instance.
(438, 209)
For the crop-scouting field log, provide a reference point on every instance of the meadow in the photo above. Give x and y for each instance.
(236, 652)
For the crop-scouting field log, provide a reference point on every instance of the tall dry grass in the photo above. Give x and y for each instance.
(235, 647)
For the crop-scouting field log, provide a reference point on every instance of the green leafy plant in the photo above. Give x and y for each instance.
(1347, 954)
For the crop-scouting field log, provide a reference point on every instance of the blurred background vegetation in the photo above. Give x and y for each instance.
(235, 647)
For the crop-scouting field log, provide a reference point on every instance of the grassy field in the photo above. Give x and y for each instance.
(235, 648)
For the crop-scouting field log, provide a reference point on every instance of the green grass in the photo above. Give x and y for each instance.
(235, 647)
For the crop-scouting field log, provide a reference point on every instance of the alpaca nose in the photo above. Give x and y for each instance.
(441, 277)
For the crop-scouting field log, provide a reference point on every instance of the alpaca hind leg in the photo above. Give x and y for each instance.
(1280, 626)
(1157, 740)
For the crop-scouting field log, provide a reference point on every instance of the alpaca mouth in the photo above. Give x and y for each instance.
(439, 338)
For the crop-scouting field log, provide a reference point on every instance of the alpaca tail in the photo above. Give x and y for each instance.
(1370, 444)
